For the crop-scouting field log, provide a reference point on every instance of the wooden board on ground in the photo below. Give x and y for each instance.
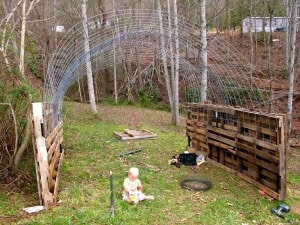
(134, 134)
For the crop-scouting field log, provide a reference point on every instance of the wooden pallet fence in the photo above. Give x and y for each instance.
(249, 144)
(48, 156)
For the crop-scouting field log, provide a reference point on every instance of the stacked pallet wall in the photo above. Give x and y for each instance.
(196, 131)
(247, 143)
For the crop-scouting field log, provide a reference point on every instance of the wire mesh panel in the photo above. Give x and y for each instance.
(134, 36)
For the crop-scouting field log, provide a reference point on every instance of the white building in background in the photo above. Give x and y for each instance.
(58, 29)
(259, 24)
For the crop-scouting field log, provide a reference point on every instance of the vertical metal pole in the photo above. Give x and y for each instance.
(112, 199)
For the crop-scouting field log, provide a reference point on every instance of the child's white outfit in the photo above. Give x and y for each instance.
(131, 192)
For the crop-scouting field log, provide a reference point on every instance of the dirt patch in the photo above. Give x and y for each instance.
(134, 116)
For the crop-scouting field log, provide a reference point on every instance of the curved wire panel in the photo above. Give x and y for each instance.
(135, 34)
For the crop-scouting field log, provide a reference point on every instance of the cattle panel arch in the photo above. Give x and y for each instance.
(136, 34)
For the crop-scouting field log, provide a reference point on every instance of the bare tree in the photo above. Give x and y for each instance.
(176, 78)
(251, 42)
(294, 4)
(287, 37)
(203, 52)
(164, 55)
(116, 31)
(8, 40)
(172, 81)
(241, 7)
(171, 47)
(228, 27)
(7, 25)
(269, 43)
(88, 61)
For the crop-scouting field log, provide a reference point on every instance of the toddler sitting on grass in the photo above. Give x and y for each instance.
(133, 188)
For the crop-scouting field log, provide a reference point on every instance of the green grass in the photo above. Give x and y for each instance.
(90, 154)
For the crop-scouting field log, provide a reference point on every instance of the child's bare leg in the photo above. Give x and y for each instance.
(142, 197)
(149, 197)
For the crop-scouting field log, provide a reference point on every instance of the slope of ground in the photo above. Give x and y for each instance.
(90, 153)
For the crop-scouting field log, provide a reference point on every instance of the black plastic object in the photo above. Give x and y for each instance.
(196, 184)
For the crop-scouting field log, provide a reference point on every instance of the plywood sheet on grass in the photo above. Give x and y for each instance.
(131, 134)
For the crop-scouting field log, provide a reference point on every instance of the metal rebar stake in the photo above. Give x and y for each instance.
(112, 199)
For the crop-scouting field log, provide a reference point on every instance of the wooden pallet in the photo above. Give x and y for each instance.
(134, 134)
(48, 157)
(249, 144)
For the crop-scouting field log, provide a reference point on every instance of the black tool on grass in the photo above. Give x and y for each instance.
(280, 210)
(129, 153)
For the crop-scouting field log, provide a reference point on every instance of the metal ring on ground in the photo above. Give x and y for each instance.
(196, 184)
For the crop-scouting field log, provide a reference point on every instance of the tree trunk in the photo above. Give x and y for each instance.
(115, 78)
(5, 24)
(164, 57)
(115, 66)
(171, 51)
(203, 52)
(271, 10)
(172, 81)
(251, 43)
(241, 16)
(23, 32)
(287, 33)
(228, 27)
(138, 65)
(176, 120)
(18, 155)
(292, 64)
(88, 60)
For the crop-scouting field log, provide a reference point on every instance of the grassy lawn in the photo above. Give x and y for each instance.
(91, 153)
